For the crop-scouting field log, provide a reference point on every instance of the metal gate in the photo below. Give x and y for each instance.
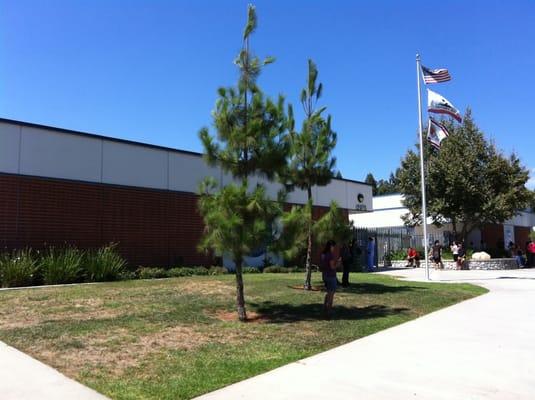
(388, 240)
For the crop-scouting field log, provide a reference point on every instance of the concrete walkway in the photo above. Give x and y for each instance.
(483, 348)
(24, 378)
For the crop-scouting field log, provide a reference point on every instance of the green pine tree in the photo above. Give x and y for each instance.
(311, 161)
(250, 141)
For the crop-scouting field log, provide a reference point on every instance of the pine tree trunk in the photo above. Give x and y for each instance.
(308, 262)
(240, 298)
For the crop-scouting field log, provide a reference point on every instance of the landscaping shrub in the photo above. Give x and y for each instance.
(127, 276)
(217, 271)
(61, 266)
(104, 264)
(498, 252)
(398, 255)
(275, 269)
(152, 273)
(187, 271)
(20, 268)
(251, 270)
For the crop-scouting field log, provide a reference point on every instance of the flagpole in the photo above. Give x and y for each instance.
(422, 175)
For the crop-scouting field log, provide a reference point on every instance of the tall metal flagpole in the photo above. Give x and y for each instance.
(422, 174)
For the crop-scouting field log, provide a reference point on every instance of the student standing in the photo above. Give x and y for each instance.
(371, 254)
(530, 253)
(461, 255)
(455, 251)
(436, 255)
(328, 269)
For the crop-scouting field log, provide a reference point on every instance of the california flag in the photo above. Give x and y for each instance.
(436, 133)
(438, 104)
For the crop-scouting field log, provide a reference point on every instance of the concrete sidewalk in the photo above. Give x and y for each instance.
(483, 348)
(24, 378)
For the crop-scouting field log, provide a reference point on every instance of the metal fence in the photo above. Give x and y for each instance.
(392, 239)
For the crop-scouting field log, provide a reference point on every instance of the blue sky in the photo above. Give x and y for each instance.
(148, 70)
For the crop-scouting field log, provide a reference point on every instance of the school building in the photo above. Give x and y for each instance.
(389, 209)
(61, 187)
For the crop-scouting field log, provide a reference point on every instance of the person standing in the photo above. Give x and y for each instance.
(328, 269)
(436, 255)
(461, 255)
(455, 251)
(346, 253)
(530, 253)
(371, 254)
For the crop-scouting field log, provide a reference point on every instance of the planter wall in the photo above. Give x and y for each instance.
(493, 264)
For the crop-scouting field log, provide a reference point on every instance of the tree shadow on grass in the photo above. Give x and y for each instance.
(279, 313)
(377, 288)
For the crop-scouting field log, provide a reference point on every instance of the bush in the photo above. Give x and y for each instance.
(104, 264)
(19, 268)
(62, 266)
(127, 276)
(187, 271)
(152, 273)
(251, 270)
(498, 252)
(276, 269)
(398, 255)
(217, 271)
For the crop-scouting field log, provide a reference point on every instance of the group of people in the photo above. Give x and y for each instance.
(330, 262)
(459, 253)
(435, 255)
(526, 258)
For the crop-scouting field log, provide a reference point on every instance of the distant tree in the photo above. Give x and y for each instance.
(383, 186)
(339, 175)
(470, 183)
(250, 140)
(370, 180)
(389, 186)
(311, 161)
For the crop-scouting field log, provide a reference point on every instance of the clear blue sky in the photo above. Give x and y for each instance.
(148, 70)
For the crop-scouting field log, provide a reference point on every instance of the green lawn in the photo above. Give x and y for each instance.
(178, 338)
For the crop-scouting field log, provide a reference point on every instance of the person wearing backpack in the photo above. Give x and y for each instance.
(328, 272)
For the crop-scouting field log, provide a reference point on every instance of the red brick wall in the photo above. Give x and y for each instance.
(492, 235)
(152, 227)
(521, 236)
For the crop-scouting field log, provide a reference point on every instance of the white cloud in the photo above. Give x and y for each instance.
(531, 183)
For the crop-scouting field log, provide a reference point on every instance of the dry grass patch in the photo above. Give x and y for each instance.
(203, 287)
(22, 313)
(115, 351)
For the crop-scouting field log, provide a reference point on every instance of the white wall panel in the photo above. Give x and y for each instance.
(9, 148)
(127, 164)
(336, 191)
(56, 154)
(59, 155)
(353, 191)
(297, 197)
(187, 171)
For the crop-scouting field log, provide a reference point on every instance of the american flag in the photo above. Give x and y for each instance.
(435, 75)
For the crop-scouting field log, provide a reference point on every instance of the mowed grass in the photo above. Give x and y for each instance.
(178, 338)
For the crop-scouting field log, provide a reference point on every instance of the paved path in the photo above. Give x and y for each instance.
(24, 378)
(483, 348)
